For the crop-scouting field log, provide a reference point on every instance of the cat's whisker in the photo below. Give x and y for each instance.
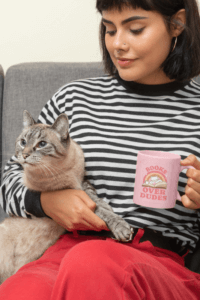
(55, 169)
(43, 169)
(55, 178)
(48, 169)
(56, 175)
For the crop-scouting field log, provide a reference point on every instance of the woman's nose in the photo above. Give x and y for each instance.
(120, 42)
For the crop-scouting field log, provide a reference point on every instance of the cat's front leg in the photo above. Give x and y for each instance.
(118, 226)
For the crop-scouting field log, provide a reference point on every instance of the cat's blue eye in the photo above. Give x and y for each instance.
(42, 144)
(23, 143)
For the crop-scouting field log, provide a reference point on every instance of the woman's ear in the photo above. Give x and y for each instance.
(178, 22)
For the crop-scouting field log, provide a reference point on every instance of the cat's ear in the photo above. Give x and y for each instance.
(27, 119)
(61, 125)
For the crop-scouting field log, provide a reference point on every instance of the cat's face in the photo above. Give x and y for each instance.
(39, 143)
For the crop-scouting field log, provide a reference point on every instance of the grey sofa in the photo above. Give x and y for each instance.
(29, 86)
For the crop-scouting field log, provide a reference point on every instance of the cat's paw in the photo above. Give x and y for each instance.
(122, 231)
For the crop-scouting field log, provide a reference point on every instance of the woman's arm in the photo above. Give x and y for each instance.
(72, 209)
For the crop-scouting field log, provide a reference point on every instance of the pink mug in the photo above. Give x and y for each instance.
(156, 179)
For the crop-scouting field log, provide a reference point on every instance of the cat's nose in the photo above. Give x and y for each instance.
(25, 155)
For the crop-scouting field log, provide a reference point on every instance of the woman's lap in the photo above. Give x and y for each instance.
(88, 268)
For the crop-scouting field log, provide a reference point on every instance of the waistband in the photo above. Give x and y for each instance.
(155, 237)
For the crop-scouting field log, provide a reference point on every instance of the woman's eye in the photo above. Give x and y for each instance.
(42, 144)
(137, 31)
(109, 29)
(23, 143)
(111, 33)
(134, 31)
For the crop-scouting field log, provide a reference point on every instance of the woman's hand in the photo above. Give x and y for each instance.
(191, 199)
(72, 209)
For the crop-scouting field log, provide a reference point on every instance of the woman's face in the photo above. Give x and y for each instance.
(138, 42)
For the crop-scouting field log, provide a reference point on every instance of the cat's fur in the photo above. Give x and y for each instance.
(51, 161)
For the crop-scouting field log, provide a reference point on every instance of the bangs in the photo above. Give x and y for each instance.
(149, 5)
(120, 4)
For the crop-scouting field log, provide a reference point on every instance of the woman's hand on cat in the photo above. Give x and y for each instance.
(72, 209)
(191, 199)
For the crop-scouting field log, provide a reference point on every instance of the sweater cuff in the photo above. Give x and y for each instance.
(33, 204)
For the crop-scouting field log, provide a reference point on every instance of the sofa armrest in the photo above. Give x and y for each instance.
(2, 213)
(1, 104)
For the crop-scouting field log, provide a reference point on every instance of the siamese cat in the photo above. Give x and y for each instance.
(51, 160)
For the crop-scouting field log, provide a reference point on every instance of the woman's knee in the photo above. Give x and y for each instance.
(97, 255)
(87, 254)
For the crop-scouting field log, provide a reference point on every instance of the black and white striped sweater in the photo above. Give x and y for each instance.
(112, 120)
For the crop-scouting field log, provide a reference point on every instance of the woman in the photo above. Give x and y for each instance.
(151, 51)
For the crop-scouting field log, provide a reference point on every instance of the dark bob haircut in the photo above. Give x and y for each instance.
(184, 62)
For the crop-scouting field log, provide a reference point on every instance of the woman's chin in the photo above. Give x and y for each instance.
(128, 74)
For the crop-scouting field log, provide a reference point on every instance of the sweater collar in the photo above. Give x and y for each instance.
(151, 90)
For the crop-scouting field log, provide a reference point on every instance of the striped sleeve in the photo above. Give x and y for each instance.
(12, 190)
(15, 198)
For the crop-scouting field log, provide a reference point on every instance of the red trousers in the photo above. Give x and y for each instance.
(80, 268)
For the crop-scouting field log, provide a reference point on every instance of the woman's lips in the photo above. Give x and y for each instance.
(125, 62)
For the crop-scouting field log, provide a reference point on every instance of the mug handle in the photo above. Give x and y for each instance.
(183, 168)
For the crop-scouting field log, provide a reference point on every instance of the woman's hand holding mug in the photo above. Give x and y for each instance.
(156, 181)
